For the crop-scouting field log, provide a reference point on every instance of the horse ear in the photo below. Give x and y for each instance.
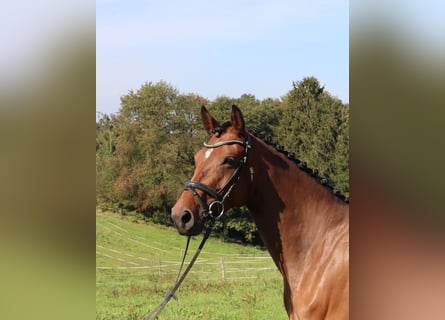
(237, 119)
(208, 121)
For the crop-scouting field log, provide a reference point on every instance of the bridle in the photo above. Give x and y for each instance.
(212, 212)
(215, 209)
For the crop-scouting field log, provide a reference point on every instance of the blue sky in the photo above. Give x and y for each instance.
(216, 48)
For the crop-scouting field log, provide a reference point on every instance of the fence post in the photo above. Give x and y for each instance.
(160, 265)
(223, 269)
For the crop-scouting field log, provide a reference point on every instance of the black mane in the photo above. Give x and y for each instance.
(302, 165)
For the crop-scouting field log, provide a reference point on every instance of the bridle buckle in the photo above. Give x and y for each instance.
(216, 209)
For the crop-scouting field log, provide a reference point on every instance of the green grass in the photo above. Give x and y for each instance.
(137, 262)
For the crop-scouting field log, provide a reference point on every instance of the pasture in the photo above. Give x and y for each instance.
(136, 262)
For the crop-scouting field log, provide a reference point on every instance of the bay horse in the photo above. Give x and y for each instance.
(304, 226)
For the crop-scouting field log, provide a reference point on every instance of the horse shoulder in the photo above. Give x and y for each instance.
(323, 292)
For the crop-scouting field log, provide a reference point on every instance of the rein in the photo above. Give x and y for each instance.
(213, 211)
(171, 294)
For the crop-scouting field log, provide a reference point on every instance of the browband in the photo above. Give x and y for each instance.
(224, 142)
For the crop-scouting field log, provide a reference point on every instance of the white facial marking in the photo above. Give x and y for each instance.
(208, 153)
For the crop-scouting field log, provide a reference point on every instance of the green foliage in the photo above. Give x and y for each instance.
(105, 137)
(237, 224)
(153, 159)
(106, 170)
(145, 152)
(315, 126)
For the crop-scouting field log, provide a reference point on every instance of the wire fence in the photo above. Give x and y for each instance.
(222, 265)
(136, 256)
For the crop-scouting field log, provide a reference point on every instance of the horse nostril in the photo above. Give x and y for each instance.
(186, 217)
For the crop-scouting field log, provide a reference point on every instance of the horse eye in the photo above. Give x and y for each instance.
(229, 161)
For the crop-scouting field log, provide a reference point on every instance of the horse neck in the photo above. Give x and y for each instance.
(292, 211)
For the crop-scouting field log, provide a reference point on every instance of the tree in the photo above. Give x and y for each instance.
(106, 171)
(311, 125)
(264, 117)
(155, 130)
(340, 177)
(105, 138)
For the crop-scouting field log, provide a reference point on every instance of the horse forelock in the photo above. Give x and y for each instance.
(223, 128)
(218, 131)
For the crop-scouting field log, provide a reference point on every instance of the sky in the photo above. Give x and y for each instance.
(220, 48)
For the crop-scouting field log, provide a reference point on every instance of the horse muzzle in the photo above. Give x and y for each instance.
(187, 221)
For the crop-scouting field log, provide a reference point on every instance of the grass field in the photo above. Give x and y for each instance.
(137, 262)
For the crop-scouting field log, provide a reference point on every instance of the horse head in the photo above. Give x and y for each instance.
(219, 181)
